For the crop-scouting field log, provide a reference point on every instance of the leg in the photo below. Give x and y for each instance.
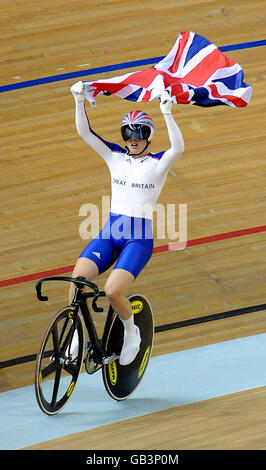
(131, 261)
(84, 267)
(115, 288)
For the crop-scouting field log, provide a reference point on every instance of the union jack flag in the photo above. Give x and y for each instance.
(194, 72)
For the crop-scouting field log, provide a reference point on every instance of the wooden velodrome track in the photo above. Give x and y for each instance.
(48, 173)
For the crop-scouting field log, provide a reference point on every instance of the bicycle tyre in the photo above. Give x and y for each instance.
(121, 381)
(56, 374)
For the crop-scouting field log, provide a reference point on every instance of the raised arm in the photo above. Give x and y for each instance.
(99, 145)
(175, 136)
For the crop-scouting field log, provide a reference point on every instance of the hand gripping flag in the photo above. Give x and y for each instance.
(194, 72)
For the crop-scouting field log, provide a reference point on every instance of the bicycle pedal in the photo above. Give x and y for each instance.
(108, 359)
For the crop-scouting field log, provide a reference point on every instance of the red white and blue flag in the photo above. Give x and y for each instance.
(194, 72)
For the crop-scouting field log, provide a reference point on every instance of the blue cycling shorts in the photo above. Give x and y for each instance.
(126, 240)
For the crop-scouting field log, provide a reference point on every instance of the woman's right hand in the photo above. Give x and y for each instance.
(79, 91)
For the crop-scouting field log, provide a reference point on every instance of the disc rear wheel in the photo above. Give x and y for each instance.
(121, 381)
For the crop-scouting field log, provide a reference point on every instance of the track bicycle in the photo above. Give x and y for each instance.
(57, 369)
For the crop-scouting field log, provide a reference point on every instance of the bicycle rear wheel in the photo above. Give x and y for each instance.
(58, 363)
(121, 381)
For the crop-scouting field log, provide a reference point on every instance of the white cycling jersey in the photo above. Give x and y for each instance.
(136, 182)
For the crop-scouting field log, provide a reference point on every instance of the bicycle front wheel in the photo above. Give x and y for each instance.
(59, 361)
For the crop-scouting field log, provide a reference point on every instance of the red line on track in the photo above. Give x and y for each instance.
(211, 238)
(159, 249)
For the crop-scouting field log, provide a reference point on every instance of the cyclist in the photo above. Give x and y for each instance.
(137, 178)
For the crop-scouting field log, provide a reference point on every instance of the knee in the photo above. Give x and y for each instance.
(112, 292)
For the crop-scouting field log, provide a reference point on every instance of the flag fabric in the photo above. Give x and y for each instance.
(194, 72)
